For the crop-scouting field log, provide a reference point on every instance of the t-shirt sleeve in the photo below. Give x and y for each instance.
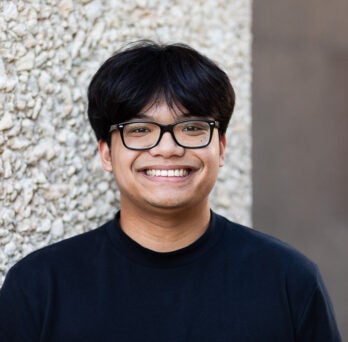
(318, 322)
(18, 319)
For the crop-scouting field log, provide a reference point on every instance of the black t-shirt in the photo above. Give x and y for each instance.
(232, 284)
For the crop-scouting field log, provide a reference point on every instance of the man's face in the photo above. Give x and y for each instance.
(162, 188)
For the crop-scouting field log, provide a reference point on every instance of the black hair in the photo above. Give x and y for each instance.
(145, 72)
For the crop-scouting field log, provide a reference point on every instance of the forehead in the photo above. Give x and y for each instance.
(161, 110)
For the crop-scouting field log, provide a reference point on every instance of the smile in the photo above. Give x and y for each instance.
(167, 173)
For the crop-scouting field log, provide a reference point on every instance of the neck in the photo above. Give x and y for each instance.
(165, 230)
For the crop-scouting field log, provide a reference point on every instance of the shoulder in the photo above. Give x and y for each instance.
(266, 251)
(277, 268)
(68, 253)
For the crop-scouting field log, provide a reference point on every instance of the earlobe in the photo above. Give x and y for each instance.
(105, 155)
(222, 150)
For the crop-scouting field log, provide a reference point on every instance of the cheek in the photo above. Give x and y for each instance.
(213, 157)
(123, 161)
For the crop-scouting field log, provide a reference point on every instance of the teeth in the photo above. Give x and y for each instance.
(167, 173)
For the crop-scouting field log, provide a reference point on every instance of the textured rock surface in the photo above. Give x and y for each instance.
(52, 185)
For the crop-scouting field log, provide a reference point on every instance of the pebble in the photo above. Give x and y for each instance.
(3, 77)
(10, 248)
(57, 229)
(66, 6)
(19, 143)
(9, 10)
(36, 109)
(6, 122)
(26, 62)
(55, 192)
(7, 169)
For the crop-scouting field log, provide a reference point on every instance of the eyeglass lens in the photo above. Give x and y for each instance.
(146, 134)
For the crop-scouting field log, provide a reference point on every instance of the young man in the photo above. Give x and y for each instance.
(166, 268)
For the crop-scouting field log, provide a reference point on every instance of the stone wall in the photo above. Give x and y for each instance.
(52, 185)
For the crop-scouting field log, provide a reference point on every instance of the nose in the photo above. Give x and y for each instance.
(167, 147)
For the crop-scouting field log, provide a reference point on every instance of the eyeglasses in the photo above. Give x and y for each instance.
(144, 135)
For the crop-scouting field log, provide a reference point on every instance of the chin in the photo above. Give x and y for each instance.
(169, 204)
(178, 204)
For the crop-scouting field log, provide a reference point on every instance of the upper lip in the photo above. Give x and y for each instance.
(167, 167)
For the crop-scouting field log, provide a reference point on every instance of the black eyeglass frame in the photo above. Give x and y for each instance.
(165, 128)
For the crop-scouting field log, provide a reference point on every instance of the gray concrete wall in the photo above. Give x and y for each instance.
(300, 133)
(51, 183)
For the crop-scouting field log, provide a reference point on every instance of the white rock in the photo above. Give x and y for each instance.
(23, 78)
(39, 177)
(65, 94)
(57, 229)
(29, 42)
(71, 170)
(103, 187)
(67, 136)
(44, 80)
(68, 217)
(97, 31)
(91, 213)
(28, 193)
(21, 104)
(6, 122)
(7, 169)
(30, 101)
(19, 166)
(41, 59)
(76, 94)
(66, 6)
(19, 143)
(27, 248)
(3, 77)
(62, 54)
(44, 226)
(55, 192)
(24, 226)
(10, 11)
(26, 62)
(6, 215)
(52, 152)
(10, 248)
(10, 85)
(93, 10)
(87, 201)
(36, 154)
(37, 108)
(78, 42)
(19, 29)
(2, 171)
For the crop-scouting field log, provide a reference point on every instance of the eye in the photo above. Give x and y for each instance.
(138, 129)
(195, 127)
(192, 128)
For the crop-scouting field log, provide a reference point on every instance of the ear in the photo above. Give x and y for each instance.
(105, 155)
(222, 150)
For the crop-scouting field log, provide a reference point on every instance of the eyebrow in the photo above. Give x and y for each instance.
(139, 116)
(144, 116)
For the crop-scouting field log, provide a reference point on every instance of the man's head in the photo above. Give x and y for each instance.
(136, 98)
(146, 73)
